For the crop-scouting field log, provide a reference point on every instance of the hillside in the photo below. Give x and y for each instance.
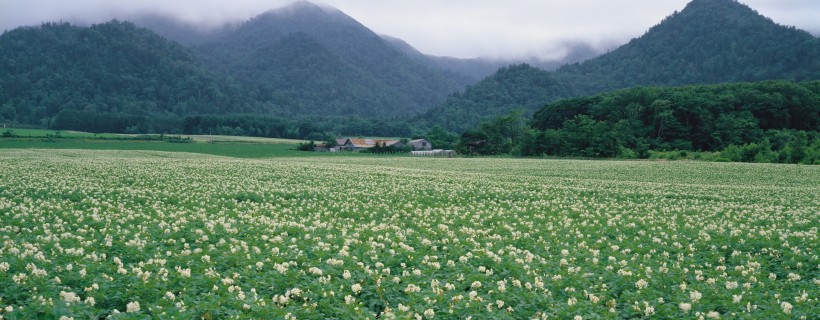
(325, 62)
(114, 72)
(695, 117)
(710, 41)
(518, 86)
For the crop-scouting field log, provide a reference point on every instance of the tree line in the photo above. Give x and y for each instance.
(770, 121)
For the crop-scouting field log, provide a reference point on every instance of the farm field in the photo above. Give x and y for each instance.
(69, 134)
(150, 234)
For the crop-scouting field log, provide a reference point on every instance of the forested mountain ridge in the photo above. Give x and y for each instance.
(710, 41)
(518, 86)
(325, 62)
(113, 68)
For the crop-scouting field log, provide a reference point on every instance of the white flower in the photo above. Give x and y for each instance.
(132, 307)
(695, 296)
(787, 307)
(649, 310)
(685, 307)
(69, 297)
(429, 313)
(641, 284)
(713, 315)
(357, 288)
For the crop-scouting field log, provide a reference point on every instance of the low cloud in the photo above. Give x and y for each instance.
(460, 28)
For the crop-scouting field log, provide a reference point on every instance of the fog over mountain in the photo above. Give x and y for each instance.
(517, 29)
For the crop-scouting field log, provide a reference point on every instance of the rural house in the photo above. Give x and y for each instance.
(356, 144)
(420, 145)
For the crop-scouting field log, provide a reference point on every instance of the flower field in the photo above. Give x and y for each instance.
(141, 235)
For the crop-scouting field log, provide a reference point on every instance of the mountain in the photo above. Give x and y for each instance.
(709, 41)
(517, 86)
(115, 68)
(326, 63)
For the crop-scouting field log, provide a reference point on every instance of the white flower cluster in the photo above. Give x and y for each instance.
(401, 238)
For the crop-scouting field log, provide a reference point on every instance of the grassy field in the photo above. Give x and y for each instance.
(230, 146)
(236, 150)
(147, 234)
(67, 134)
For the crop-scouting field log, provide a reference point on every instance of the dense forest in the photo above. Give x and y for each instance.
(322, 61)
(116, 77)
(113, 70)
(770, 121)
(709, 41)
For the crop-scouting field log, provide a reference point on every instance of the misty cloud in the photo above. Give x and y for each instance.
(546, 29)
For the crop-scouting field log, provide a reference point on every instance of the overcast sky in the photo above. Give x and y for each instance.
(458, 28)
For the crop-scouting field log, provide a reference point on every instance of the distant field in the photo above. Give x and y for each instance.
(89, 234)
(43, 133)
(230, 146)
(236, 150)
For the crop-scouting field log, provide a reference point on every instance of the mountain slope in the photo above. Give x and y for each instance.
(517, 86)
(111, 68)
(710, 41)
(351, 70)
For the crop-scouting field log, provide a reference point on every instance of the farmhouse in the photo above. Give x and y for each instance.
(356, 144)
(420, 145)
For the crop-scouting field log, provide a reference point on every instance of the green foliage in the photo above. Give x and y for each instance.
(441, 138)
(629, 123)
(8, 134)
(501, 135)
(710, 41)
(307, 146)
(60, 73)
(513, 87)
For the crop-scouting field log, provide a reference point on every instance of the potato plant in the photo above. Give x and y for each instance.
(141, 235)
